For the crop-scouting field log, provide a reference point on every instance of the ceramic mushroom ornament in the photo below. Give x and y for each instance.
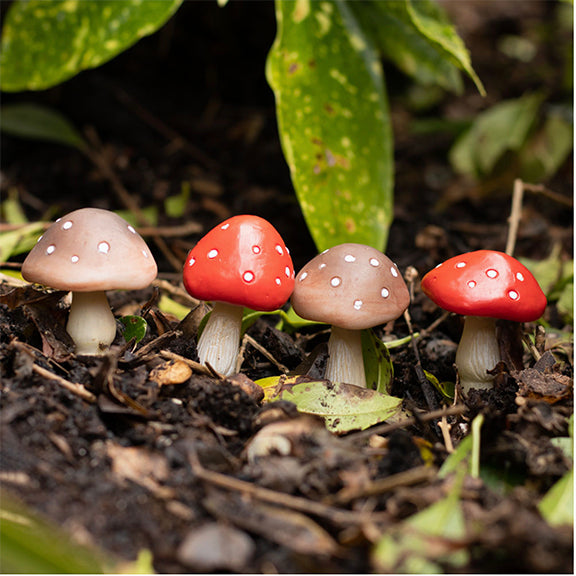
(87, 252)
(351, 287)
(483, 286)
(242, 262)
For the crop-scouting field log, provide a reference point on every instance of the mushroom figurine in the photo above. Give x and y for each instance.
(88, 252)
(351, 287)
(242, 262)
(484, 285)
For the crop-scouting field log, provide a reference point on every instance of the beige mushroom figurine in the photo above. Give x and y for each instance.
(352, 287)
(88, 252)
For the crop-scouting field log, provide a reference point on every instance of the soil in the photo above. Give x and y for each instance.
(128, 459)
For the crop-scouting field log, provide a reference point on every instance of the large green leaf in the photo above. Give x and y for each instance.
(334, 122)
(45, 43)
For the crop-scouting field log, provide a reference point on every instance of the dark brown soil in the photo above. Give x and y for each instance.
(134, 464)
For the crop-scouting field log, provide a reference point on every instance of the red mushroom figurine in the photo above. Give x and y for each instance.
(242, 262)
(483, 286)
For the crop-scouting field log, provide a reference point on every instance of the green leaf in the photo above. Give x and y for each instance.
(445, 388)
(46, 43)
(503, 127)
(134, 328)
(548, 149)
(377, 364)
(11, 209)
(19, 241)
(344, 407)
(334, 122)
(557, 506)
(169, 306)
(31, 545)
(426, 541)
(36, 122)
(430, 22)
(175, 206)
(419, 39)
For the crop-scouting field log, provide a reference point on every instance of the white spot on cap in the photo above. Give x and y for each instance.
(131, 229)
(192, 261)
(287, 251)
(74, 259)
(393, 271)
(50, 249)
(39, 238)
(248, 276)
(513, 294)
(58, 220)
(256, 249)
(104, 247)
(385, 292)
(323, 265)
(278, 281)
(67, 225)
(325, 251)
(302, 276)
(461, 265)
(520, 276)
(225, 226)
(213, 253)
(358, 304)
(145, 254)
(438, 265)
(374, 262)
(349, 258)
(492, 273)
(279, 249)
(471, 284)
(336, 281)
(287, 272)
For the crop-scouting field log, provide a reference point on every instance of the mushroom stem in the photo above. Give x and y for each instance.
(218, 344)
(345, 362)
(477, 353)
(91, 323)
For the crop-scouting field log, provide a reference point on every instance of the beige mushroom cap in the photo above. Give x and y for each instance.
(90, 250)
(351, 286)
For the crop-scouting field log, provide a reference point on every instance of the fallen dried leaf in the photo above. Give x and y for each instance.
(170, 373)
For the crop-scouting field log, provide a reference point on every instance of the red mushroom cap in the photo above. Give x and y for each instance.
(242, 261)
(486, 283)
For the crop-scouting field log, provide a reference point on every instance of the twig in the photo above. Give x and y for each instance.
(176, 140)
(515, 216)
(279, 498)
(387, 484)
(77, 389)
(268, 355)
(385, 428)
(445, 427)
(541, 189)
(101, 162)
(171, 231)
(424, 383)
(196, 366)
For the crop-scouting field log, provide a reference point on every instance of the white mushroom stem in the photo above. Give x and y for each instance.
(345, 361)
(91, 323)
(477, 353)
(219, 342)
